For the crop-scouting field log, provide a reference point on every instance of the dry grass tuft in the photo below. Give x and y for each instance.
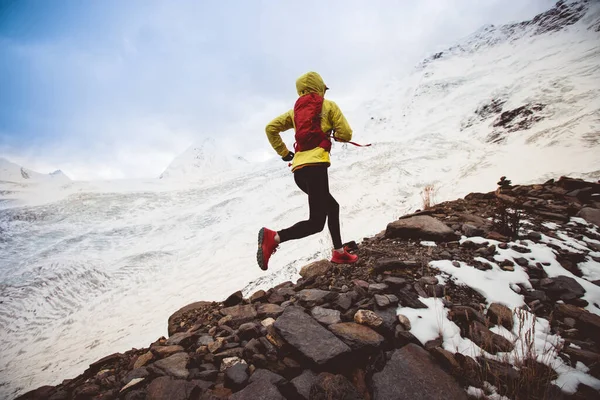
(428, 196)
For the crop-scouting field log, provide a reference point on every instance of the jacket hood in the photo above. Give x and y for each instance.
(311, 82)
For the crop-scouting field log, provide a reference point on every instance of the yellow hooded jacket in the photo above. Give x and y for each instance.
(331, 118)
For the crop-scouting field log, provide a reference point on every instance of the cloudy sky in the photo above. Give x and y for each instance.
(118, 88)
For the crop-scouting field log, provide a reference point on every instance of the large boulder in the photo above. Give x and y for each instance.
(412, 373)
(420, 227)
(308, 336)
(591, 215)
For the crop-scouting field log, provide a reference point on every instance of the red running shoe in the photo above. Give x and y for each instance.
(343, 258)
(266, 247)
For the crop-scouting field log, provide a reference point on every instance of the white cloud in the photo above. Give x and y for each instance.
(144, 81)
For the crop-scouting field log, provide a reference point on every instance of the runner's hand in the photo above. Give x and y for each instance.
(289, 157)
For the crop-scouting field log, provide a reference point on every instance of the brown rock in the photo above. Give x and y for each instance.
(497, 371)
(421, 227)
(404, 321)
(143, 360)
(488, 340)
(166, 351)
(313, 270)
(234, 299)
(240, 314)
(258, 296)
(467, 314)
(357, 336)
(446, 359)
(499, 314)
(368, 317)
(470, 370)
(493, 235)
(358, 377)
(585, 321)
(587, 357)
(268, 310)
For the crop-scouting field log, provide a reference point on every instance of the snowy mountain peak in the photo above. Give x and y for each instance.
(11, 172)
(562, 15)
(203, 160)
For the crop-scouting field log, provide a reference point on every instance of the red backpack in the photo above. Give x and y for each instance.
(307, 119)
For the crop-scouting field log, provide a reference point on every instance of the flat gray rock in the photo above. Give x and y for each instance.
(308, 336)
(412, 373)
(326, 316)
(174, 365)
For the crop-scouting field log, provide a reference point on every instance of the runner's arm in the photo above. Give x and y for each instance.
(343, 132)
(275, 127)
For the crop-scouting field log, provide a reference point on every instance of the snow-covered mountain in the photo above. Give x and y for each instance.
(11, 172)
(505, 100)
(101, 270)
(203, 161)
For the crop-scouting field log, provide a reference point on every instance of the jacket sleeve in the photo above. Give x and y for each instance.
(343, 132)
(275, 127)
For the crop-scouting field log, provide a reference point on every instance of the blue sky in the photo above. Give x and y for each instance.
(117, 89)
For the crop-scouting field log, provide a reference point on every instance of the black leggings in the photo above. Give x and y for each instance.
(313, 180)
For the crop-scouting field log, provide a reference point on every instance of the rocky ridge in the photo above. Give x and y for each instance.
(336, 333)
